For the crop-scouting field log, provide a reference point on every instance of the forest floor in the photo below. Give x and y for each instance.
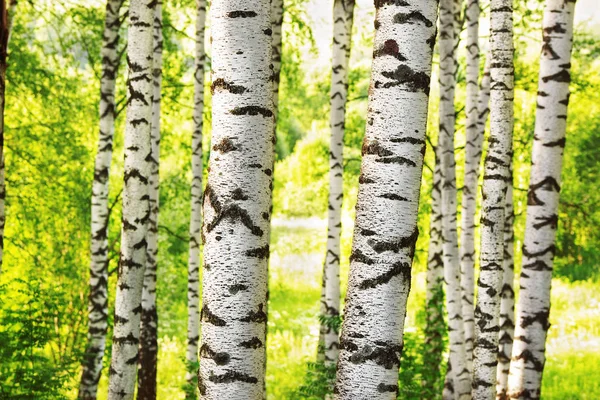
(297, 251)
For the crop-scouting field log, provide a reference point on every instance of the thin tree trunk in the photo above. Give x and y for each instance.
(276, 25)
(98, 297)
(507, 302)
(386, 213)
(342, 34)
(149, 318)
(462, 383)
(471, 180)
(495, 180)
(434, 305)
(193, 290)
(136, 207)
(237, 203)
(528, 354)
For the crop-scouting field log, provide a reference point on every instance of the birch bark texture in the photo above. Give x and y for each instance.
(434, 302)
(237, 203)
(343, 12)
(460, 372)
(495, 180)
(528, 355)
(136, 207)
(149, 317)
(98, 297)
(193, 288)
(276, 29)
(507, 298)
(386, 212)
(471, 180)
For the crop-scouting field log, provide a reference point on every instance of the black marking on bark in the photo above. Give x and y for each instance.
(393, 196)
(253, 343)
(367, 232)
(261, 252)
(232, 376)
(547, 184)
(256, 316)
(398, 268)
(381, 353)
(225, 146)
(528, 357)
(381, 3)
(238, 194)
(207, 316)
(233, 212)
(363, 179)
(551, 220)
(241, 14)
(252, 110)
(562, 76)
(135, 173)
(218, 358)
(234, 289)
(405, 75)
(222, 84)
(411, 18)
(410, 140)
(537, 265)
(389, 48)
(560, 142)
(129, 339)
(373, 147)
(383, 388)
(358, 256)
(550, 249)
(396, 245)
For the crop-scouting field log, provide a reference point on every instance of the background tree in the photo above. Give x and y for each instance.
(136, 207)
(98, 297)
(539, 246)
(193, 289)
(385, 230)
(237, 203)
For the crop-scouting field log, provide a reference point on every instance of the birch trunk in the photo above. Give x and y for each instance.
(149, 318)
(386, 213)
(528, 356)
(193, 290)
(434, 302)
(237, 203)
(136, 207)
(471, 180)
(276, 25)
(330, 309)
(495, 179)
(461, 377)
(507, 302)
(98, 297)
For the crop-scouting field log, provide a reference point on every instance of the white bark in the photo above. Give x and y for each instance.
(386, 213)
(237, 203)
(276, 26)
(342, 34)
(532, 324)
(193, 290)
(507, 302)
(495, 179)
(471, 179)
(447, 40)
(98, 298)
(149, 318)
(136, 208)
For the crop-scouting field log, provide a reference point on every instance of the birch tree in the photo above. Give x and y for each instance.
(237, 203)
(507, 298)
(149, 317)
(193, 289)
(460, 374)
(276, 29)
(528, 356)
(343, 11)
(136, 207)
(495, 178)
(471, 180)
(98, 297)
(386, 212)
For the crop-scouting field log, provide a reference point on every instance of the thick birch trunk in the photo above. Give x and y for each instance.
(330, 309)
(98, 297)
(386, 213)
(528, 354)
(149, 319)
(495, 179)
(193, 290)
(507, 302)
(434, 302)
(447, 40)
(136, 207)
(237, 203)
(471, 180)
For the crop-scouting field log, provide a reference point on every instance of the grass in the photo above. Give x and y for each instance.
(297, 252)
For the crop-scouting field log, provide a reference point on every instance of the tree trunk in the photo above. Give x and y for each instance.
(136, 207)
(98, 297)
(149, 318)
(447, 40)
(342, 34)
(507, 302)
(193, 291)
(237, 203)
(495, 179)
(434, 306)
(542, 202)
(276, 25)
(471, 180)
(386, 213)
